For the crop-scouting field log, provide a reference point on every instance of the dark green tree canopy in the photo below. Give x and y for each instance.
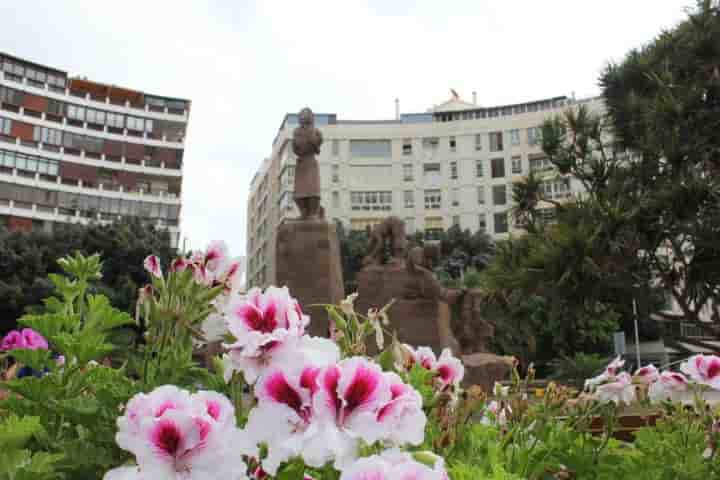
(27, 258)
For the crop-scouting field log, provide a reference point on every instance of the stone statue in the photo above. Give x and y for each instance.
(391, 230)
(306, 144)
(476, 332)
(422, 282)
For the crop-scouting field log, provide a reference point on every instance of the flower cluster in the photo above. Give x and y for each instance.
(702, 371)
(311, 404)
(27, 338)
(176, 435)
(448, 368)
(322, 414)
(269, 331)
(213, 267)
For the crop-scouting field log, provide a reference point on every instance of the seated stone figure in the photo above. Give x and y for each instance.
(392, 231)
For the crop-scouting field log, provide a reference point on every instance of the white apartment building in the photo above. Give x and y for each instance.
(452, 165)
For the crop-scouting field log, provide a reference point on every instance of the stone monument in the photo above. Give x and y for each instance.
(474, 334)
(307, 255)
(420, 314)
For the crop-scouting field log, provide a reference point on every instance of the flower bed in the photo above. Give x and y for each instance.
(281, 404)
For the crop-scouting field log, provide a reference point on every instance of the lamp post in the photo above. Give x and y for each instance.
(637, 332)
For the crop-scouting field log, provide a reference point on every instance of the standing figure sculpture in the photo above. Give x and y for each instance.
(306, 144)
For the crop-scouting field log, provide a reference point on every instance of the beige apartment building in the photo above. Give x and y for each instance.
(452, 165)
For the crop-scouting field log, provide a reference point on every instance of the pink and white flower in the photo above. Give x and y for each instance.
(143, 406)
(394, 465)
(403, 416)
(347, 403)
(647, 374)
(620, 389)
(496, 414)
(178, 436)
(261, 315)
(609, 374)
(284, 415)
(180, 264)
(425, 357)
(152, 265)
(704, 369)
(668, 386)
(450, 369)
(280, 350)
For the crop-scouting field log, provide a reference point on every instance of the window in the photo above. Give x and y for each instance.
(408, 172)
(452, 144)
(370, 148)
(371, 200)
(95, 116)
(335, 173)
(499, 193)
(481, 195)
(453, 170)
(496, 141)
(431, 169)
(433, 199)
(49, 136)
(55, 107)
(5, 126)
(149, 125)
(335, 200)
(497, 167)
(515, 136)
(539, 164)
(430, 143)
(407, 146)
(501, 222)
(76, 113)
(455, 197)
(516, 164)
(115, 120)
(136, 124)
(479, 171)
(456, 220)
(478, 142)
(482, 223)
(546, 215)
(556, 188)
(534, 135)
(409, 198)
(335, 148)
(410, 225)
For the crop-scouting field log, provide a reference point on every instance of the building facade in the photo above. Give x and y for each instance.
(453, 165)
(74, 150)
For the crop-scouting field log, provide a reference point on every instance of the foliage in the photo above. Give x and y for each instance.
(460, 252)
(73, 408)
(663, 102)
(578, 367)
(26, 259)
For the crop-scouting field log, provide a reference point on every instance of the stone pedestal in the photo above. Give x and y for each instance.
(414, 320)
(307, 261)
(485, 369)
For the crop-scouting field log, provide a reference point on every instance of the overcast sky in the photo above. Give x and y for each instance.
(245, 64)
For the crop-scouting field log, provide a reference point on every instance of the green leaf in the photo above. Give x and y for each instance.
(38, 360)
(15, 431)
(50, 324)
